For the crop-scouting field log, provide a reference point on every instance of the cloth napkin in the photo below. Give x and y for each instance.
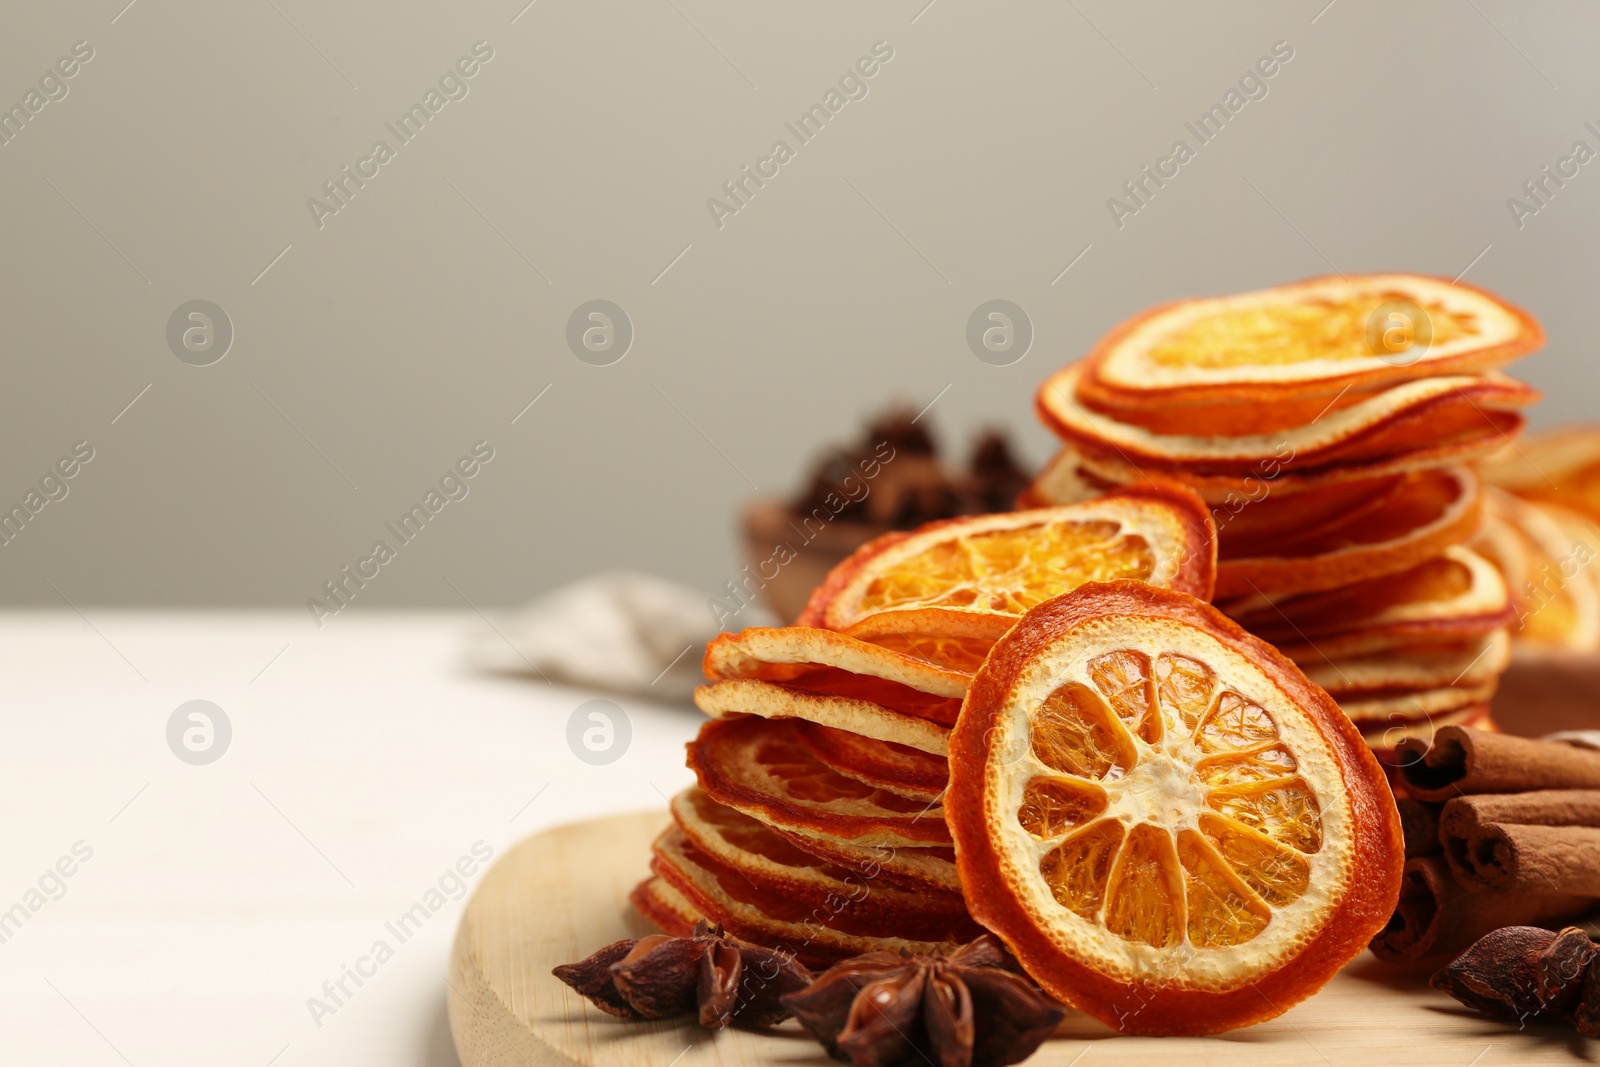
(629, 633)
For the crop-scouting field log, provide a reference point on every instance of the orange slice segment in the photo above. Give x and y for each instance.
(1302, 344)
(1171, 827)
(973, 577)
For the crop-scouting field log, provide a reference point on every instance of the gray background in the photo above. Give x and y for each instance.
(430, 311)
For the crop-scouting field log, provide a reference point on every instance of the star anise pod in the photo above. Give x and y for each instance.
(1530, 975)
(719, 978)
(972, 1008)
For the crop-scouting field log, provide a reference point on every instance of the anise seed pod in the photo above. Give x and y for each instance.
(718, 978)
(967, 1009)
(661, 976)
(1586, 1017)
(591, 979)
(1499, 974)
(1562, 967)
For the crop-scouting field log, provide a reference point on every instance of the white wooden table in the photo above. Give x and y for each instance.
(364, 763)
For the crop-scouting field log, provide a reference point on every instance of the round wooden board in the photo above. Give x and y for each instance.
(560, 895)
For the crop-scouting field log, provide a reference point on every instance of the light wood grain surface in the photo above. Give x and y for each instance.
(560, 895)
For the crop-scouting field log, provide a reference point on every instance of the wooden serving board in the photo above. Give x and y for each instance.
(560, 895)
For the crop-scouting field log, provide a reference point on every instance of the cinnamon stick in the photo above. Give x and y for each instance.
(1419, 827)
(1436, 915)
(1546, 841)
(1462, 760)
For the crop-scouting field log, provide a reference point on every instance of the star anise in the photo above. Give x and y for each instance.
(719, 978)
(1530, 975)
(972, 1008)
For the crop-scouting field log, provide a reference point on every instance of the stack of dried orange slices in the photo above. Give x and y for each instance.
(817, 824)
(1332, 426)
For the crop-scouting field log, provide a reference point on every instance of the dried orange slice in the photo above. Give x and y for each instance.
(1432, 511)
(1416, 705)
(1560, 466)
(777, 920)
(931, 868)
(954, 641)
(825, 663)
(1385, 736)
(747, 696)
(897, 768)
(1476, 662)
(793, 654)
(1463, 412)
(1237, 500)
(1290, 350)
(1547, 555)
(975, 576)
(1172, 829)
(762, 768)
(1456, 595)
(843, 896)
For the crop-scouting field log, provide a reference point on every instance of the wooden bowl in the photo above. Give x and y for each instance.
(773, 533)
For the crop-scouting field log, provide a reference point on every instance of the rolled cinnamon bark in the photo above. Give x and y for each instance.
(1419, 826)
(1462, 760)
(1543, 842)
(1436, 915)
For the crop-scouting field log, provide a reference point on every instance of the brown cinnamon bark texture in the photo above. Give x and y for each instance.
(1419, 826)
(1543, 842)
(1462, 760)
(1437, 916)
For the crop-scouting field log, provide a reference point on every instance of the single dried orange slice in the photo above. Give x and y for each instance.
(1386, 736)
(824, 663)
(1273, 358)
(1560, 466)
(897, 768)
(762, 768)
(1456, 595)
(973, 577)
(928, 868)
(749, 696)
(1545, 552)
(1431, 511)
(1172, 829)
(1272, 495)
(803, 655)
(1474, 662)
(1466, 412)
